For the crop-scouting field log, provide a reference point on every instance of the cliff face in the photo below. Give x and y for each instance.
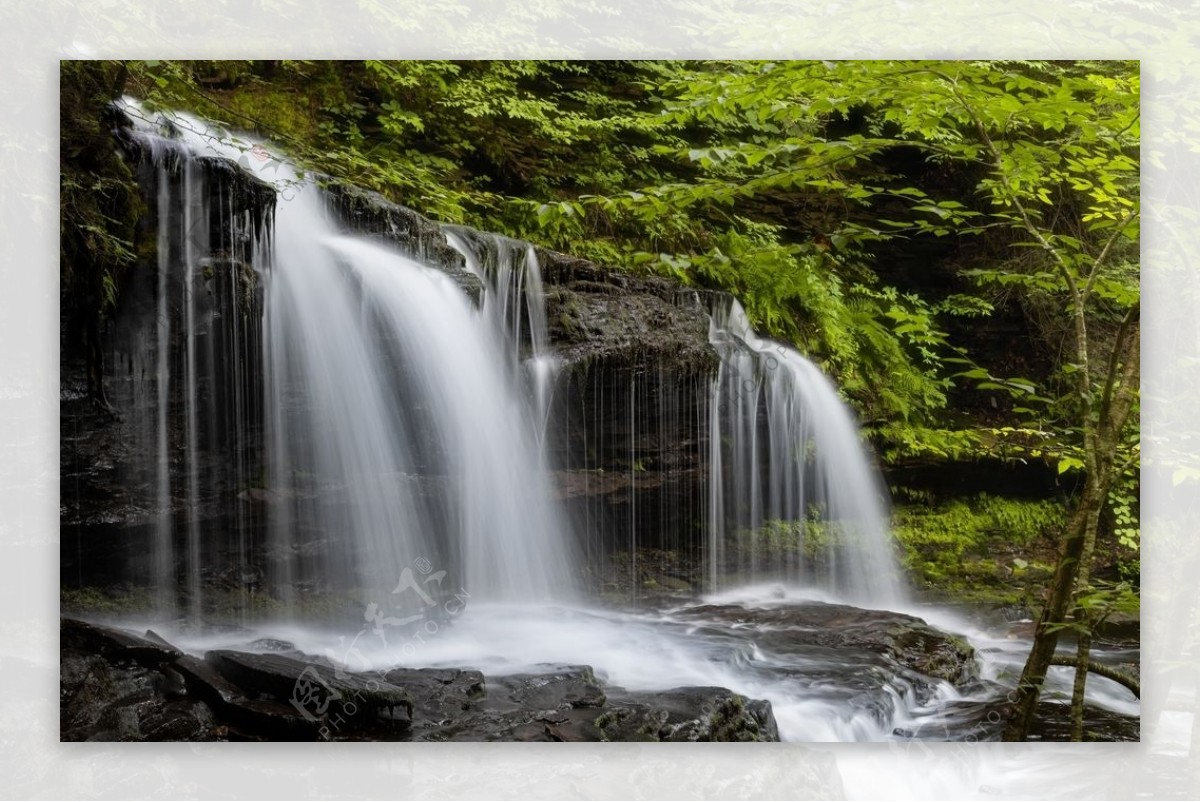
(625, 438)
(199, 326)
(629, 427)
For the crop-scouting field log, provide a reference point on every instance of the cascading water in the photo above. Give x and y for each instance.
(792, 493)
(405, 458)
(184, 382)
(516, 304)
(407, 387)
(397, 439)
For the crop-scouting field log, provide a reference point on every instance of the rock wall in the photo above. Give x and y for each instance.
(626, 439)
(111, 495)
(629, 432)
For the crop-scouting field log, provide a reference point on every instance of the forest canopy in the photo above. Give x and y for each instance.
(903, 223)
(955, 242)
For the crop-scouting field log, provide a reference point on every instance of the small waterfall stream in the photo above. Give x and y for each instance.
(403, 457)
(793, 493)
(515, 302)
(184, 378)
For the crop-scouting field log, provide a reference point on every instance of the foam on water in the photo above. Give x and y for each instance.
(406, 474)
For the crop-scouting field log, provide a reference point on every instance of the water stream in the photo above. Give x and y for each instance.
(405, 464)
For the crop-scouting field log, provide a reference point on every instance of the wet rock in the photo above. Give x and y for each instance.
(904, 641)
(173, 683)
(119, 686)
(273, 645)
(115, 685)
(112, 696)
(461, 705)
(932, 652)
(183, 721)
(154, 637)
(113, 643)
(249, 716)
(368, 212)
(557, 688)
(569, 703)
(439, 695)
(597, 314)
(687, 714)
(312, 687)
(89, 686)
(1053, 723)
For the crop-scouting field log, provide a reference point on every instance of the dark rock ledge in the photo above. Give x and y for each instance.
(904, 642)
(116, 685)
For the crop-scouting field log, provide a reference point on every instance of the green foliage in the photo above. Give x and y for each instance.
(1100, 601)
(816, 542)
(98, 206)
(783, 182)
(986, 544)
(1123, 506)
(963, 524)
(91, 601)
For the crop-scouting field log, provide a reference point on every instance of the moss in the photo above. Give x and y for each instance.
(985, 548)
(652, 729)
(275, 107)
(606, 721)
(105, 601)
(732, 722)
(814, 541)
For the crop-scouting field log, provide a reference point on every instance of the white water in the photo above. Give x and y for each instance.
(816, 694)
(177, 374)
(401, 452)
(515, 302)
(793, 492)
(402, 437)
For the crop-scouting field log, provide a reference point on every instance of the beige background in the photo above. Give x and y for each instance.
(35, 36)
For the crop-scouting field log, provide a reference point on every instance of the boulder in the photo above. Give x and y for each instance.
(557, 688)
(246, 717)
(687, 714)
(115, 644)
(903, 641)
(109, 690)
(569, 703)
(318, 692)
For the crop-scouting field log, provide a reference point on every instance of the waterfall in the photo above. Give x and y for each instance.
(515, 301)
(792, 492)
(399, 447)
(183, 380)
(164, 545)
(321, 433)
(406, 428)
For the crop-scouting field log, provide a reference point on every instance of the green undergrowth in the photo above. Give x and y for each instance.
(985, 548)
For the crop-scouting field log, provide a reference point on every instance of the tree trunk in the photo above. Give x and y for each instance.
(1045, 637)
(1108, 672)
(1121, 387)
(1083, 653)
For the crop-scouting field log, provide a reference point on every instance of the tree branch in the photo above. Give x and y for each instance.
(1132, 318)
(1095, 271)
(1101, 670)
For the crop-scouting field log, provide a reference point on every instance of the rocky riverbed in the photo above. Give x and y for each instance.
(117, 685)
(132, 684)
